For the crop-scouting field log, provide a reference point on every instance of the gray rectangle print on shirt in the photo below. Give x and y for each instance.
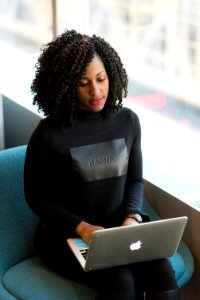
(101, 160)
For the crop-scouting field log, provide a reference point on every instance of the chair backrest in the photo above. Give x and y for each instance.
(149, 210)
(17, 222)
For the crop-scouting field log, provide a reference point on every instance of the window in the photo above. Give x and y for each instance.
(26, 24)
(159, 43)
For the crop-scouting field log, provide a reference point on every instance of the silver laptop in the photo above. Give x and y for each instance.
(129, 244)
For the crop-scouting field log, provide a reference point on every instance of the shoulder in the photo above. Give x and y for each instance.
(127, 114)
(44, 130)
(127, 111)
(48, 125)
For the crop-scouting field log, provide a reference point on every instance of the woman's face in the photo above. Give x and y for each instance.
(93, 88)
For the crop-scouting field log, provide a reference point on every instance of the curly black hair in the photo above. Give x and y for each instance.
(60, 67)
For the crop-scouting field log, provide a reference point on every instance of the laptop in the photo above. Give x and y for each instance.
(129, 244)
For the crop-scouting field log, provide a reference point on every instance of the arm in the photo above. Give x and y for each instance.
(134, 184)
(45, 179)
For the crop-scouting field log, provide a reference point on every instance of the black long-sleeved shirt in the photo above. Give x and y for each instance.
(91, 172)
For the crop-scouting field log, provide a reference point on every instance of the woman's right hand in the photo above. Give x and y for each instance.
(85, 230)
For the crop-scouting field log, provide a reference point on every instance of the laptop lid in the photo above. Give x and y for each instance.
(129, 244)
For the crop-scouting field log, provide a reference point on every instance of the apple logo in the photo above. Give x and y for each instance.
(136, 246)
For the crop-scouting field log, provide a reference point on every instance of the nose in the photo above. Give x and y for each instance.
(94, 89)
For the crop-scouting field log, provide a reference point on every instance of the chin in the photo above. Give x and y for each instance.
(97, 109)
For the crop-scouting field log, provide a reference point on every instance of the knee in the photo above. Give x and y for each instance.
(122, 278)
(119, 284)
(163, 275)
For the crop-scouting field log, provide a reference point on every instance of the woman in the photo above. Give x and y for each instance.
(83, 168)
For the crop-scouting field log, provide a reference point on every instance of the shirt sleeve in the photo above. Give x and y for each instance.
(134, 185)
(41, 184)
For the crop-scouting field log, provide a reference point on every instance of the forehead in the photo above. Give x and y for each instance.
(95, 67)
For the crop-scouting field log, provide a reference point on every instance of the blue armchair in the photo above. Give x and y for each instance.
(23, 274)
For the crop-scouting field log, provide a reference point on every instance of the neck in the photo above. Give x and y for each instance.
(87, 114)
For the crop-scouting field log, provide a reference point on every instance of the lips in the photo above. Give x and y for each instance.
(97, 101)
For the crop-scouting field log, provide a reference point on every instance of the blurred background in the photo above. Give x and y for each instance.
(158, 40)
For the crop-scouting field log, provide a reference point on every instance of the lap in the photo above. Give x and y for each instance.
(157, 275)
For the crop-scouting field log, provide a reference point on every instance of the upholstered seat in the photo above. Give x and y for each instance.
(23, 274)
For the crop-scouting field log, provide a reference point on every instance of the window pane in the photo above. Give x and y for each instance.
(26, 24)
(159, 42)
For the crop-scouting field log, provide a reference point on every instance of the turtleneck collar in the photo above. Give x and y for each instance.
(83, 114)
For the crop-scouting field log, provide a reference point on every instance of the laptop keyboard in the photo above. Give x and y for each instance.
(84, 252)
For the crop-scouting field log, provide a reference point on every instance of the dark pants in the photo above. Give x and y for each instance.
(118, 283)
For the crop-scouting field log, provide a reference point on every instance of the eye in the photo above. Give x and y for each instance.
(101, 79)
(83, 84)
